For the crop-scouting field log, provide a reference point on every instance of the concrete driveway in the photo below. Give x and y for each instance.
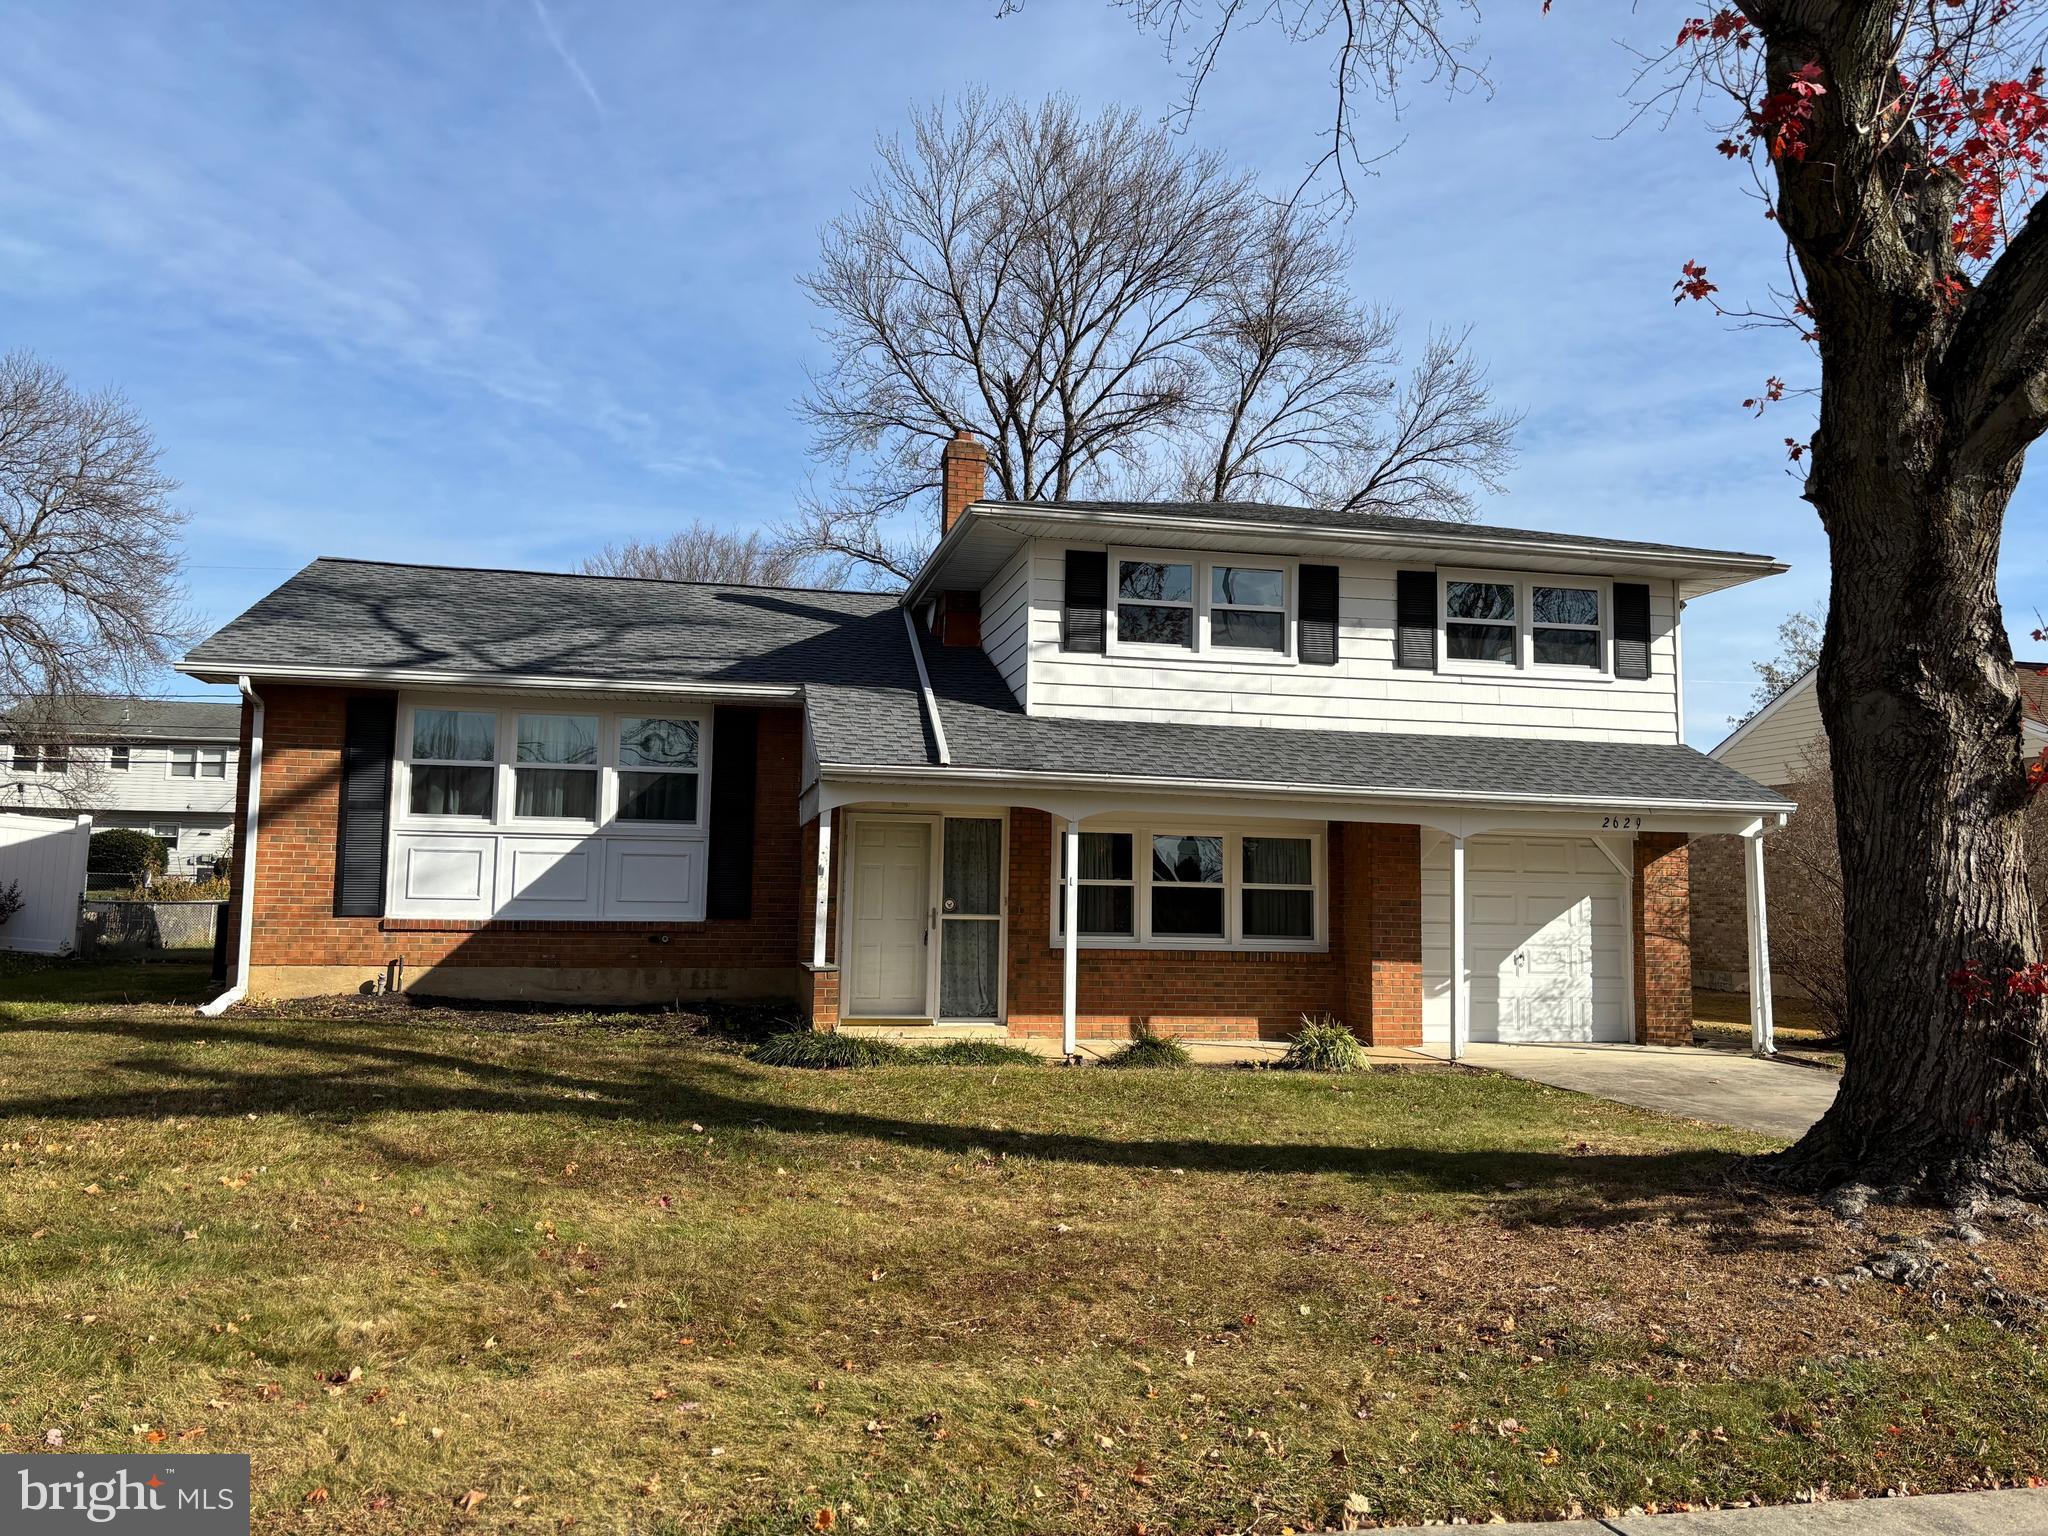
(1777, 1098)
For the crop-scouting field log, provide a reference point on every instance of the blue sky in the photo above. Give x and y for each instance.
(495, 283)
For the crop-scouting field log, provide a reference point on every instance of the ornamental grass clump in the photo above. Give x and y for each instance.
(826, 1050)
(1150, 1050)
(1322, 1044)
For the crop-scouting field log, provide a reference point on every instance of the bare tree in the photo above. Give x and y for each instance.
(1110, 310)
(702, 552)
(90, 601)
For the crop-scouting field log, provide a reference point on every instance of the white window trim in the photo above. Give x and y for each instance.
(201, 756)
(1203, 563)
(1525, 664)
(1142, 832)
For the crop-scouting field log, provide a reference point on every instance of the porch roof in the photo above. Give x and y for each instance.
(861, 729)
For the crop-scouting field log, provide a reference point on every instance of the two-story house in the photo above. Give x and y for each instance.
(1211, 767)
(161, 766)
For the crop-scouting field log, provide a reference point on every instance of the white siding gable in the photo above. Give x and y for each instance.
(1364, 691)
(1006, 623)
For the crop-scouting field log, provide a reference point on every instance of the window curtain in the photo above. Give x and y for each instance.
(1277, 861)
(968, 963)
(974, 866)
(558, 738)
(455, 735)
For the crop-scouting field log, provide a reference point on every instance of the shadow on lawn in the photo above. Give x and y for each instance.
(1587, 1190)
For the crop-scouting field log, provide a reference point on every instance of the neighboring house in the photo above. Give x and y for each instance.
(1775, 746)
(159, 766)
(1269, 761)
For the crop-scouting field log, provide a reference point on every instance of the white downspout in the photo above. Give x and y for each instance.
(1461, 981)
(1763, 1032)
(1070, 959)
(252, 771)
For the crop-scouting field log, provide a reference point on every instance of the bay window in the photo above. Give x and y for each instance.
(1543, 624)
(1195, 887)
(550, 813)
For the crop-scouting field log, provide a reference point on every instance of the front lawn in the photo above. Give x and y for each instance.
(621, 1276)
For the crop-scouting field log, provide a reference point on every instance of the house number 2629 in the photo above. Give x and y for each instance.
(1620, 823)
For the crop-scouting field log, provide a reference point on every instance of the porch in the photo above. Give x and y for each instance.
(1224, 920)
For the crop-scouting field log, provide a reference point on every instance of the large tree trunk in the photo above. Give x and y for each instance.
(1940, 1098)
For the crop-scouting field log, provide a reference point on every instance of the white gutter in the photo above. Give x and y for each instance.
(1315, 791)
(471, 682)
(252, 776)
(924, 687)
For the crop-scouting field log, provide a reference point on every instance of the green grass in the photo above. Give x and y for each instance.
(44, 986)
(615, 1274)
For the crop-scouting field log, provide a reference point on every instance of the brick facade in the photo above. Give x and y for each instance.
(1370, 977)
(1663, 939)
(300, 945)
(1720, 919)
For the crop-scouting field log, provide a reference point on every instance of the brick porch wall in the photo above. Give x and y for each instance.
(296, 848)
(1374, 956)
(1663, 939)
(818, 990)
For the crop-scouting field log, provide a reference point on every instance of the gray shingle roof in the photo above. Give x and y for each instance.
(131, 720)
(1434, 530)
(880, 727)
(366, 614)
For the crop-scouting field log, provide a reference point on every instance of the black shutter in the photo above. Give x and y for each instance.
(1316, 639)
(730, 862)
(369, 733)
(1415, 620)
(1087, 598)
(1631, 630)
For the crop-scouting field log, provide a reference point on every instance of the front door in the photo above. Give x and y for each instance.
(889, 920)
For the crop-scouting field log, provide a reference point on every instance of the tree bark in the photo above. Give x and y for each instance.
(1939, 1099)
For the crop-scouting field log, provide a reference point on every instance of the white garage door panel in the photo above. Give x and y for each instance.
(1546, 941)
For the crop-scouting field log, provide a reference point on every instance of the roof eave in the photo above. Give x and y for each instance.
(213, 670)
(1701, 571)
(1774, 806)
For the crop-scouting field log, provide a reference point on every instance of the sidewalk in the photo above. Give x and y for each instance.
(2008, 1512)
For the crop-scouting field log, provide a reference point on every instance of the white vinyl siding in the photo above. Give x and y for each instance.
(1364, 691)
(1006, 623)
(94, 787)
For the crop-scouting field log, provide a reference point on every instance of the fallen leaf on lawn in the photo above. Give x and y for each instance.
(155, 1437)
(652, 1485)
(380, 1501)
(658, 1395)
(436, 1434)
(825, 1519)
(196, 1432)
(470, 1500)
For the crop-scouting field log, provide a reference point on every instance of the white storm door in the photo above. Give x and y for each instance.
(1550, 974)
(889, 916)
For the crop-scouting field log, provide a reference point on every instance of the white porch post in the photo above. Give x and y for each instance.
(824, 892)
(1070, 903)
(1762, 1028)
(1461, 983)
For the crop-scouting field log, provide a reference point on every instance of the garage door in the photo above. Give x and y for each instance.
(1546, 941)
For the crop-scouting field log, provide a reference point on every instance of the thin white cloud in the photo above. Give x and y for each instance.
(569, 61)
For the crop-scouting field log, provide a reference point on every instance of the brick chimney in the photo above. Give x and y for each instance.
(963, 477)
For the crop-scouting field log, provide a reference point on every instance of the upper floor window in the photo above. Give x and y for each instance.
(1200, 606)
(199, 762)
(117, 759)
(1525, 623)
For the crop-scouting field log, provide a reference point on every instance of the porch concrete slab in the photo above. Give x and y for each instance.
(1777, 1098)
(2006, 1512)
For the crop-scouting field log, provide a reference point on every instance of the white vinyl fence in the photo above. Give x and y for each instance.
(45, 857)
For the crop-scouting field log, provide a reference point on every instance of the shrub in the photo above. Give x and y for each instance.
(1150, 1050)
(812, 1048)
(127, 852)
(977, 1053)
(11, 901)
(181, 889)
(1323, 1045)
